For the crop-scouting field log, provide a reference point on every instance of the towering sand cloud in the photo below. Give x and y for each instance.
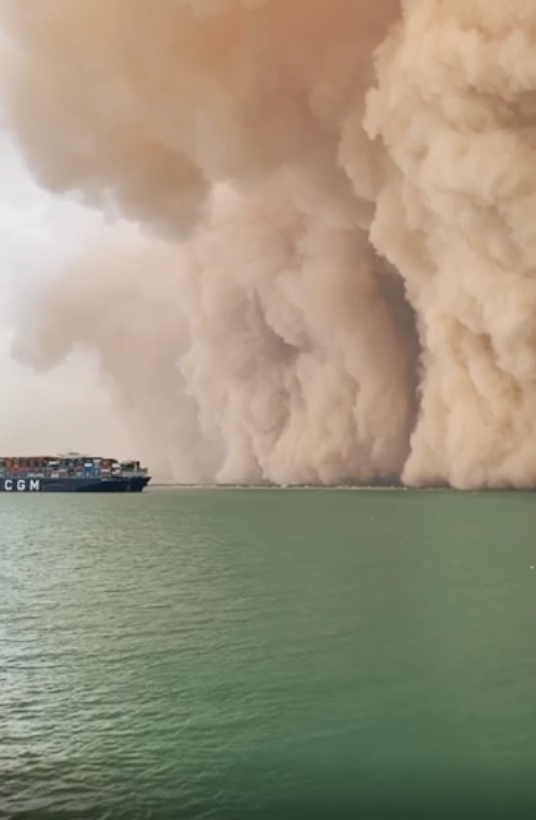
(455, 107)
(336, 281)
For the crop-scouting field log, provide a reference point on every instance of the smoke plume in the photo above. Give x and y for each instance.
(334, 280)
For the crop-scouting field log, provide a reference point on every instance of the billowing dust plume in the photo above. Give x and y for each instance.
(336, 281)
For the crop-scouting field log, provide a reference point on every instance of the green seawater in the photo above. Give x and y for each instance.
(267, 653)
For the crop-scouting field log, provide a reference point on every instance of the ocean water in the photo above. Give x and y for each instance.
(266, 653)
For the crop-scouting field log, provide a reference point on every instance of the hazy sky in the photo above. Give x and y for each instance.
(66, 409)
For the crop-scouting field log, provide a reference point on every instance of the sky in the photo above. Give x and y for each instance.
(347, 288)
(66, 409)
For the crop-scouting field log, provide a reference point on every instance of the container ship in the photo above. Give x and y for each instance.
(71, 473)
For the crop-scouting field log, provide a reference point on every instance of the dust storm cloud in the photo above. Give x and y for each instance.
(335, 281)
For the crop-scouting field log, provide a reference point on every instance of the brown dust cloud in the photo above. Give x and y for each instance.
(334, 275)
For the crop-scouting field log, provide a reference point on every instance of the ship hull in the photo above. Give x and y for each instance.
(136, 484)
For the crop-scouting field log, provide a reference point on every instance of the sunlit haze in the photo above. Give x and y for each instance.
(67, 408)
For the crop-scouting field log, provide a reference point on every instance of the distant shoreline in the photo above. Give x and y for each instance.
(346, 487)
(164, 486)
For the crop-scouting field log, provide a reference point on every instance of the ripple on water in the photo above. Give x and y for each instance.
(206, 654)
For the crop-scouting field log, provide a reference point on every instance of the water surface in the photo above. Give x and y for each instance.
(240, 653)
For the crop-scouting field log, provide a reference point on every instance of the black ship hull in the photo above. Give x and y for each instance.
(134, 484)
